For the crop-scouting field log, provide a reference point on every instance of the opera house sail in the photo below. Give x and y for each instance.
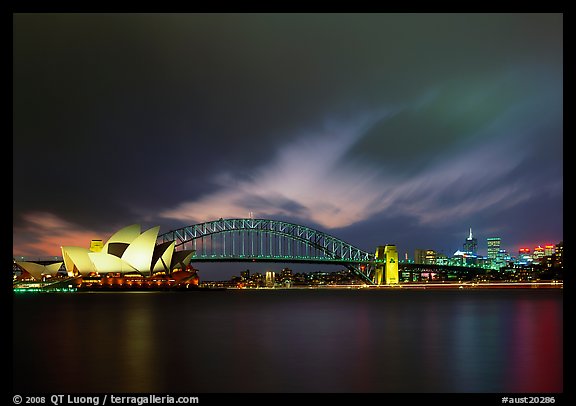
(128, 251)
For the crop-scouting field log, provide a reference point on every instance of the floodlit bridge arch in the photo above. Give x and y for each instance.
(265, 240)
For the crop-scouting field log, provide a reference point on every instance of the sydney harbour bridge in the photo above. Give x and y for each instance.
(264, 240)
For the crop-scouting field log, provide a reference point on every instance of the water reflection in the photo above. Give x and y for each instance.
(137, 347)
(535, 347)
(290, 341)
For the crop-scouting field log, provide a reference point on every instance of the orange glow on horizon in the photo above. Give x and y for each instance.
(44, 234)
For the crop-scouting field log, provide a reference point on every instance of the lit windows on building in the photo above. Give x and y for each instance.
(503, 255)
(559, 254)
(441, 259)
(538, 254)
(461, 258)
(270, 279)
(286, 273)
(524, 256)
(430, 257)
(420, 256)
(493, 247)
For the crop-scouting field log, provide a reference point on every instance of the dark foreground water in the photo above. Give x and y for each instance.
(493, 341)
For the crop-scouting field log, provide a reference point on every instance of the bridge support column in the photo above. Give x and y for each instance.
(380, 259)
(386, 265)
(391, 255)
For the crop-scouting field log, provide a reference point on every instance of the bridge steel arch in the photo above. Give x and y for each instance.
(269, 240)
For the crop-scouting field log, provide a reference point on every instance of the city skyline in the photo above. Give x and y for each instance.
(403, 129)
(469, 255)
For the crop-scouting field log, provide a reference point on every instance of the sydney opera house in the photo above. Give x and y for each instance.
(130, 258)
(128, 251)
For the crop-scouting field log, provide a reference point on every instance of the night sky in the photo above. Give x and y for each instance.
(376, 128)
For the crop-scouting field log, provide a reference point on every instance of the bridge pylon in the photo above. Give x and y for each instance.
(386, 265)
(380, 263)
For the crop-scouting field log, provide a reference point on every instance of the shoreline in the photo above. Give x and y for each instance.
(421, 286)
(399, 287)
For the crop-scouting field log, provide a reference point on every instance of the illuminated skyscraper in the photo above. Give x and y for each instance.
(471, 244)
(538, 254)
(493, 247)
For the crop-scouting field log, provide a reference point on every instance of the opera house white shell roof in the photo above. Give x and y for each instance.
(127, 251)
(37, 270)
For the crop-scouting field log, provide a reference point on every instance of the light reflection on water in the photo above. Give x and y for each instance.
(495, 341)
